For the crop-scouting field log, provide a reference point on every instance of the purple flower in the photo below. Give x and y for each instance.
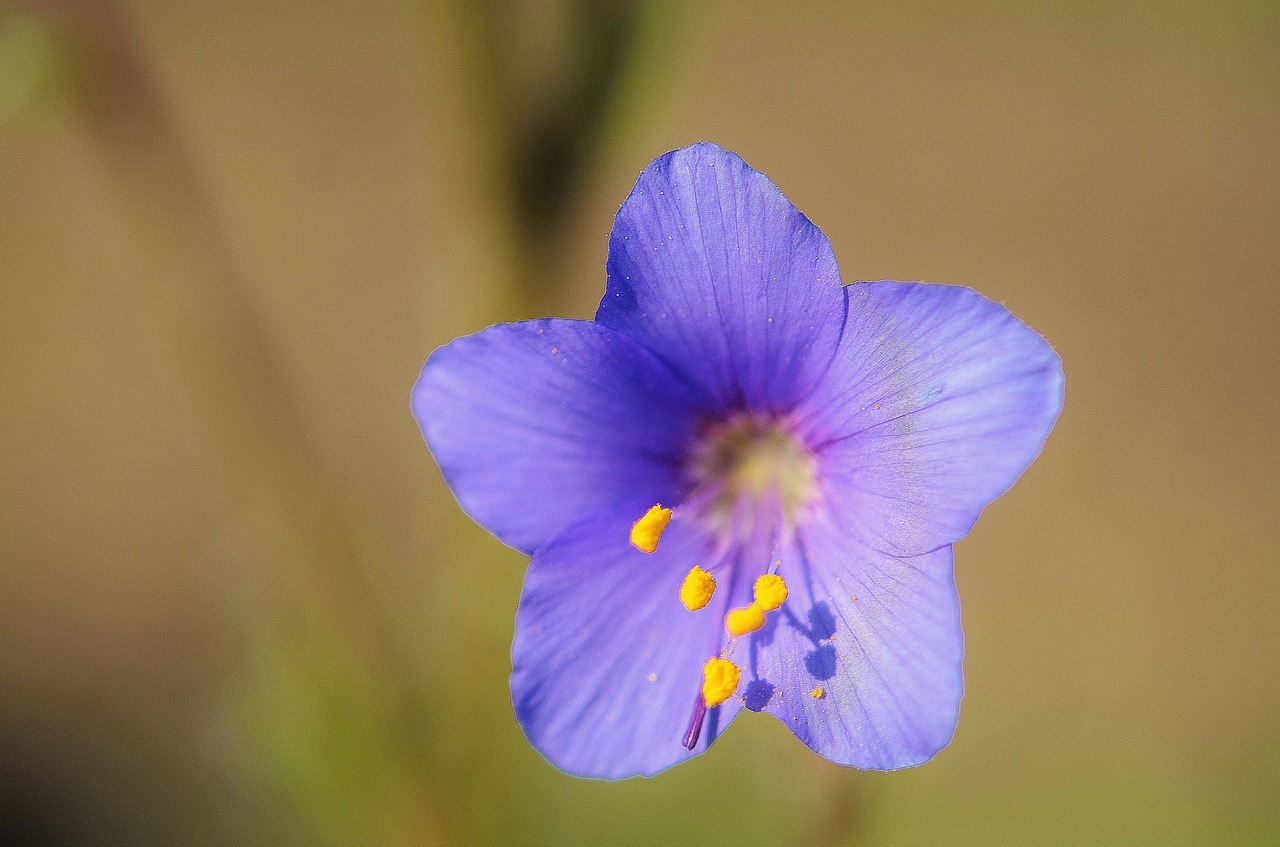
(834, 440)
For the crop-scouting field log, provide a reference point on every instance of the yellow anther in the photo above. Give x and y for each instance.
(719, 680)
(742, 621)
(770, 592)
(817, 693)
(697, 589)
(646, 531)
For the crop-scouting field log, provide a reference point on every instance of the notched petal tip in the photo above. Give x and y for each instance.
(718, 273)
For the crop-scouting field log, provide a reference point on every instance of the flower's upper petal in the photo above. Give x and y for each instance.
(607, 662)
(863, 661)
(714, 270)
(937, 400)
(540, 423)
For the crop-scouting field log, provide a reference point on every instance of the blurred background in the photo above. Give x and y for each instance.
(238, 606)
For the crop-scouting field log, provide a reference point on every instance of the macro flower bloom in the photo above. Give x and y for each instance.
(740, 484)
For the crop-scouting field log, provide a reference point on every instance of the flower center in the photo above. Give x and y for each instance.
(751, 469)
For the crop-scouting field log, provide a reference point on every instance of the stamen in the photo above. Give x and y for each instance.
(720, 679)
(697, 589)
(770, 592)
(695, 722)
(743, 621)
(646, 531)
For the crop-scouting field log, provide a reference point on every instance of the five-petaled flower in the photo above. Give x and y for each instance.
(819, 447)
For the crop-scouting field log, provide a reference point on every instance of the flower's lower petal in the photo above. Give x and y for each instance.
(537, 424)
(607, 662)
(863, 661)
(936, 402)
(713, 269)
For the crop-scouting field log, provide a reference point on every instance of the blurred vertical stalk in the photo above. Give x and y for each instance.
(321, 645)
(543, 107)
(251, 414)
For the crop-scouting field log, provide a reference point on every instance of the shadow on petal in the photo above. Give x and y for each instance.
(821, 662)
(822, 623)
(758, 694)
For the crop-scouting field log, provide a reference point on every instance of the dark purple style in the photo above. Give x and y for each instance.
(842, 437)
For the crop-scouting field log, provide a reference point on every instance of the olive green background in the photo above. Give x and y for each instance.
(237, 605)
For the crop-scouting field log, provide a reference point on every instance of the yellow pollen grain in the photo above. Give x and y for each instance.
(743, 621)
(817, 693)
(720, 679)
(770, 592)
(697, 589)
(646, 531)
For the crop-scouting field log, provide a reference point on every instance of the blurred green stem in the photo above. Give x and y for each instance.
(535, 139)
(253, 419)
(270, 479)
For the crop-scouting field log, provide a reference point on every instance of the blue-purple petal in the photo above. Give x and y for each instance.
(607, 662)
(937, 400)
(713, 269)
(539, 424)
(863, 661)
